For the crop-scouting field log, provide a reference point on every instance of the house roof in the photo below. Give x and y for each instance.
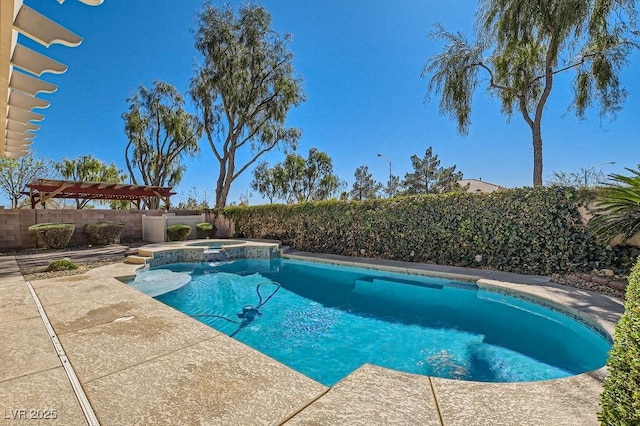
(20, 68)
(478, 185)
(42, 190)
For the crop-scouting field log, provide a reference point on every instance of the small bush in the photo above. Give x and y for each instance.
(53, 235)
(178, 232)
(205, 230)
(61, 265)
(621, 396)
(104, 233)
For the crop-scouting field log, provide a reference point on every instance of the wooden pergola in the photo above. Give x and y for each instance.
(43, 190)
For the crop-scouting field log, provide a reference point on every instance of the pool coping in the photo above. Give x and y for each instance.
(369, 395)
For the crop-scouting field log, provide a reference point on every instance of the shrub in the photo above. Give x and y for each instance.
(53, 235)
(61, 265)
(205, 230)
(621, 396)
(523, 230)
(104, 233)
(178, 232)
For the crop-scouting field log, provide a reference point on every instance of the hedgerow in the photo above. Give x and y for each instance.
(524, 230)
(621, 396)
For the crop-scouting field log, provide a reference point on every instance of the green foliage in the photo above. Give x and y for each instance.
(52, 235)
(205, 230)
(534, 231)
(86, 168)
(266, 181)
(179, 232)
(16, 174)
(428, 177)
(364, 186)
(522, 45)
(297, 180)
(61, 265)
(160, 134)
(104, 233)
(618, 207)
(244, 88)
(620, 399)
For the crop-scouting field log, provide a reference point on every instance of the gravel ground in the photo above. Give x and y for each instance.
(573, 281)
(41, 273)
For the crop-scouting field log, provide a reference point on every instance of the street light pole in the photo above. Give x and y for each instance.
(390, 175)
(586, 183)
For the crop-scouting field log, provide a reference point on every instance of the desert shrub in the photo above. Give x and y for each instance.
(524, 230)
(52, 235)
(179, 232)
(61, 265)
(621, 396)
(104, 233)
(205, 230)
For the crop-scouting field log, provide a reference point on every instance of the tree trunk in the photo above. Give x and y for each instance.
(536, 133)
(224, 179)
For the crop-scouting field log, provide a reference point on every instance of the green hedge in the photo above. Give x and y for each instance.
(205, 230)
(52, 235)
(104, 233)
(524, 230)
(178, 232)
(621, 397)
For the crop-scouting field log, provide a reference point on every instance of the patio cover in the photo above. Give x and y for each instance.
(20, 69)
(42, 190)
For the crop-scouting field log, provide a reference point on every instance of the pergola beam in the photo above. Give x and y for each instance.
(43, 190)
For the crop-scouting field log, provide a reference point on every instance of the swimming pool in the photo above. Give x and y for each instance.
(325, 321)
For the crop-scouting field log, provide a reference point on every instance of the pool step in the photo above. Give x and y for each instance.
(137, 260)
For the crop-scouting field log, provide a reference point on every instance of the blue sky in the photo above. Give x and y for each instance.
(361, 63)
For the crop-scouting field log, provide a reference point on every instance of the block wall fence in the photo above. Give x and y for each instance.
(15, 223)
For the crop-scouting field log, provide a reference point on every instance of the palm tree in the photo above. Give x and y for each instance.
(618, 208)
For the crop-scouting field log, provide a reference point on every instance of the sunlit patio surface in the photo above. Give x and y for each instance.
(138, 361)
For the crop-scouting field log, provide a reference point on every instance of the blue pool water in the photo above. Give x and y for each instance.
(326, 321)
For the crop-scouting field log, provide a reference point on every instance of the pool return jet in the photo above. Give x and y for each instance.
(249, 312)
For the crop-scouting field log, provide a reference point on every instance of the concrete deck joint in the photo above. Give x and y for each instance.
(304, 407)
(86, 407)
(435, 400)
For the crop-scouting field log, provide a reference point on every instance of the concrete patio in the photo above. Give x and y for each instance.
(138, 361)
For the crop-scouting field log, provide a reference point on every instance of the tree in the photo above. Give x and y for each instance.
(584, 178)
(160, 134)
(618, 208)
(298, 180)
(243, 89)
(529, 43)
(364, 187)
(393, 187)
(16, 174)
(86, 168)
(264, 181)
(318, 180)
(428, 177)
